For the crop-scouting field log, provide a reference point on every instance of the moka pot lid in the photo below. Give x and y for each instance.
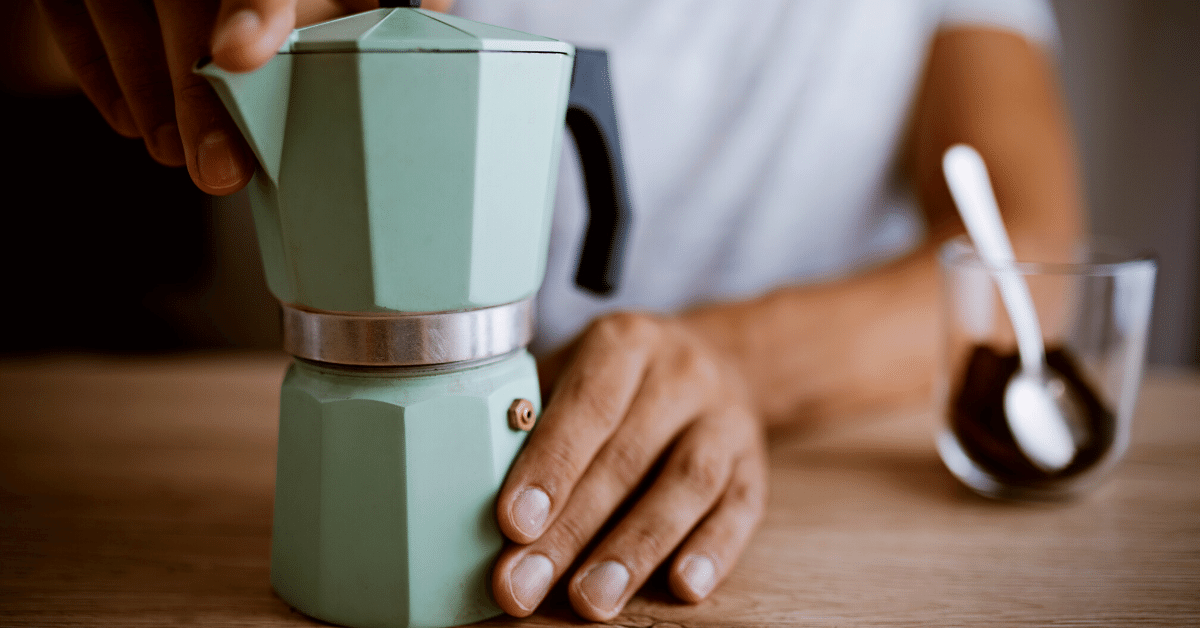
(414, 30)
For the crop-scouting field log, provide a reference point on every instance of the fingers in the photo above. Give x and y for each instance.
(709, 553)
(525, 574)
(134, 61)
(588, 405)
(129, 32)
(249, 32)
(217, 156)
(72, 27)
(700, 469)
(635, 385)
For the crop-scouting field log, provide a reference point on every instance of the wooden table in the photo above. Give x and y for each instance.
(137, 492)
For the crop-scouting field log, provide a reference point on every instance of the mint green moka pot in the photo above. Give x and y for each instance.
(406, 170)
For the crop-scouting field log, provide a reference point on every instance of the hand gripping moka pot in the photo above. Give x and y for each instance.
(407, 165)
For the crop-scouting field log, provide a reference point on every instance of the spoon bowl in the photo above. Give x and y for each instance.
(1045, 419)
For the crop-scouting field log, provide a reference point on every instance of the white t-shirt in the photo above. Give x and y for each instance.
(760, 139)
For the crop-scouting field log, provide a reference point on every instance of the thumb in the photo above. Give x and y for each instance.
(249, 32)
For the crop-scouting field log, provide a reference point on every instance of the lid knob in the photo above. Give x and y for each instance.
(393, 4)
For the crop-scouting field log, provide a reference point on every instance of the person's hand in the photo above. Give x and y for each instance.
(636, 391)
(133, 59)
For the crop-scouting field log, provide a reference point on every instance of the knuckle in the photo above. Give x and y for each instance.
(744, 496)
(627, 328)
(556, 464)
(747, 494)
(90, 65)
(709, 373)
(626, 462)
(700, 367)
(702, 471)
(198, 103)
(568, 537)
(194, 93)
(739, 494)
(649, 542)
(596, 406)
(592, 406)
(152, 90)
(686, 359)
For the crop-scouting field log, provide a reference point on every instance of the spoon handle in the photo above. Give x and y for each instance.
(967, 177)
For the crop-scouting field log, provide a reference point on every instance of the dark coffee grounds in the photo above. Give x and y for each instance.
(978, 419)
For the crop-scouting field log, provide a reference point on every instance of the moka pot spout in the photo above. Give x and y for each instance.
(258, 102)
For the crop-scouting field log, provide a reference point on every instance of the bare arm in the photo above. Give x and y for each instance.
(868, 341)
(697, 390)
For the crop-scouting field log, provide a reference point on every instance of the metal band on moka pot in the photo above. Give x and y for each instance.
(407, 339)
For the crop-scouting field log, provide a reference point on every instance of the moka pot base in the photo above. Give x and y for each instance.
(388, 467)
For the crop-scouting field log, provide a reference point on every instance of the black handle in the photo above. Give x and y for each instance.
(592, 120)
(394, 4)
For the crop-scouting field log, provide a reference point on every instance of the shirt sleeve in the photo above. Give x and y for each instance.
(1033, 19)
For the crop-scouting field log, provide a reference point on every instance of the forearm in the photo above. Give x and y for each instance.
(995, 91)
(814, 352)
(869, 341)
(674, 403)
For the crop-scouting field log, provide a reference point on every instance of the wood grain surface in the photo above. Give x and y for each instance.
(137, 492)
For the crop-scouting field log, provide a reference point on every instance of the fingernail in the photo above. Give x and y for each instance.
(243, 23)
(604, 585)
(215, 160)
(699, 574)
(530, 580)
(167, 145)
(530, 510)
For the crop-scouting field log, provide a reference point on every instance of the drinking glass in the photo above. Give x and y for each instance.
(1093, 302)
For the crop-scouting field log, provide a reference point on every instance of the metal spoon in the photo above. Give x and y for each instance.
(1042, 412)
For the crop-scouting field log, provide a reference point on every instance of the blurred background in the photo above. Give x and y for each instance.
(105, 250)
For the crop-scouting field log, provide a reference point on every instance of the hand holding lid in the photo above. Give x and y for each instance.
(132, 59)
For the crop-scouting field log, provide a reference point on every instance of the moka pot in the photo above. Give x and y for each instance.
(407, 162)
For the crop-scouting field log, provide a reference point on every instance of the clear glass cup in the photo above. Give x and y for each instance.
(1093, 304)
